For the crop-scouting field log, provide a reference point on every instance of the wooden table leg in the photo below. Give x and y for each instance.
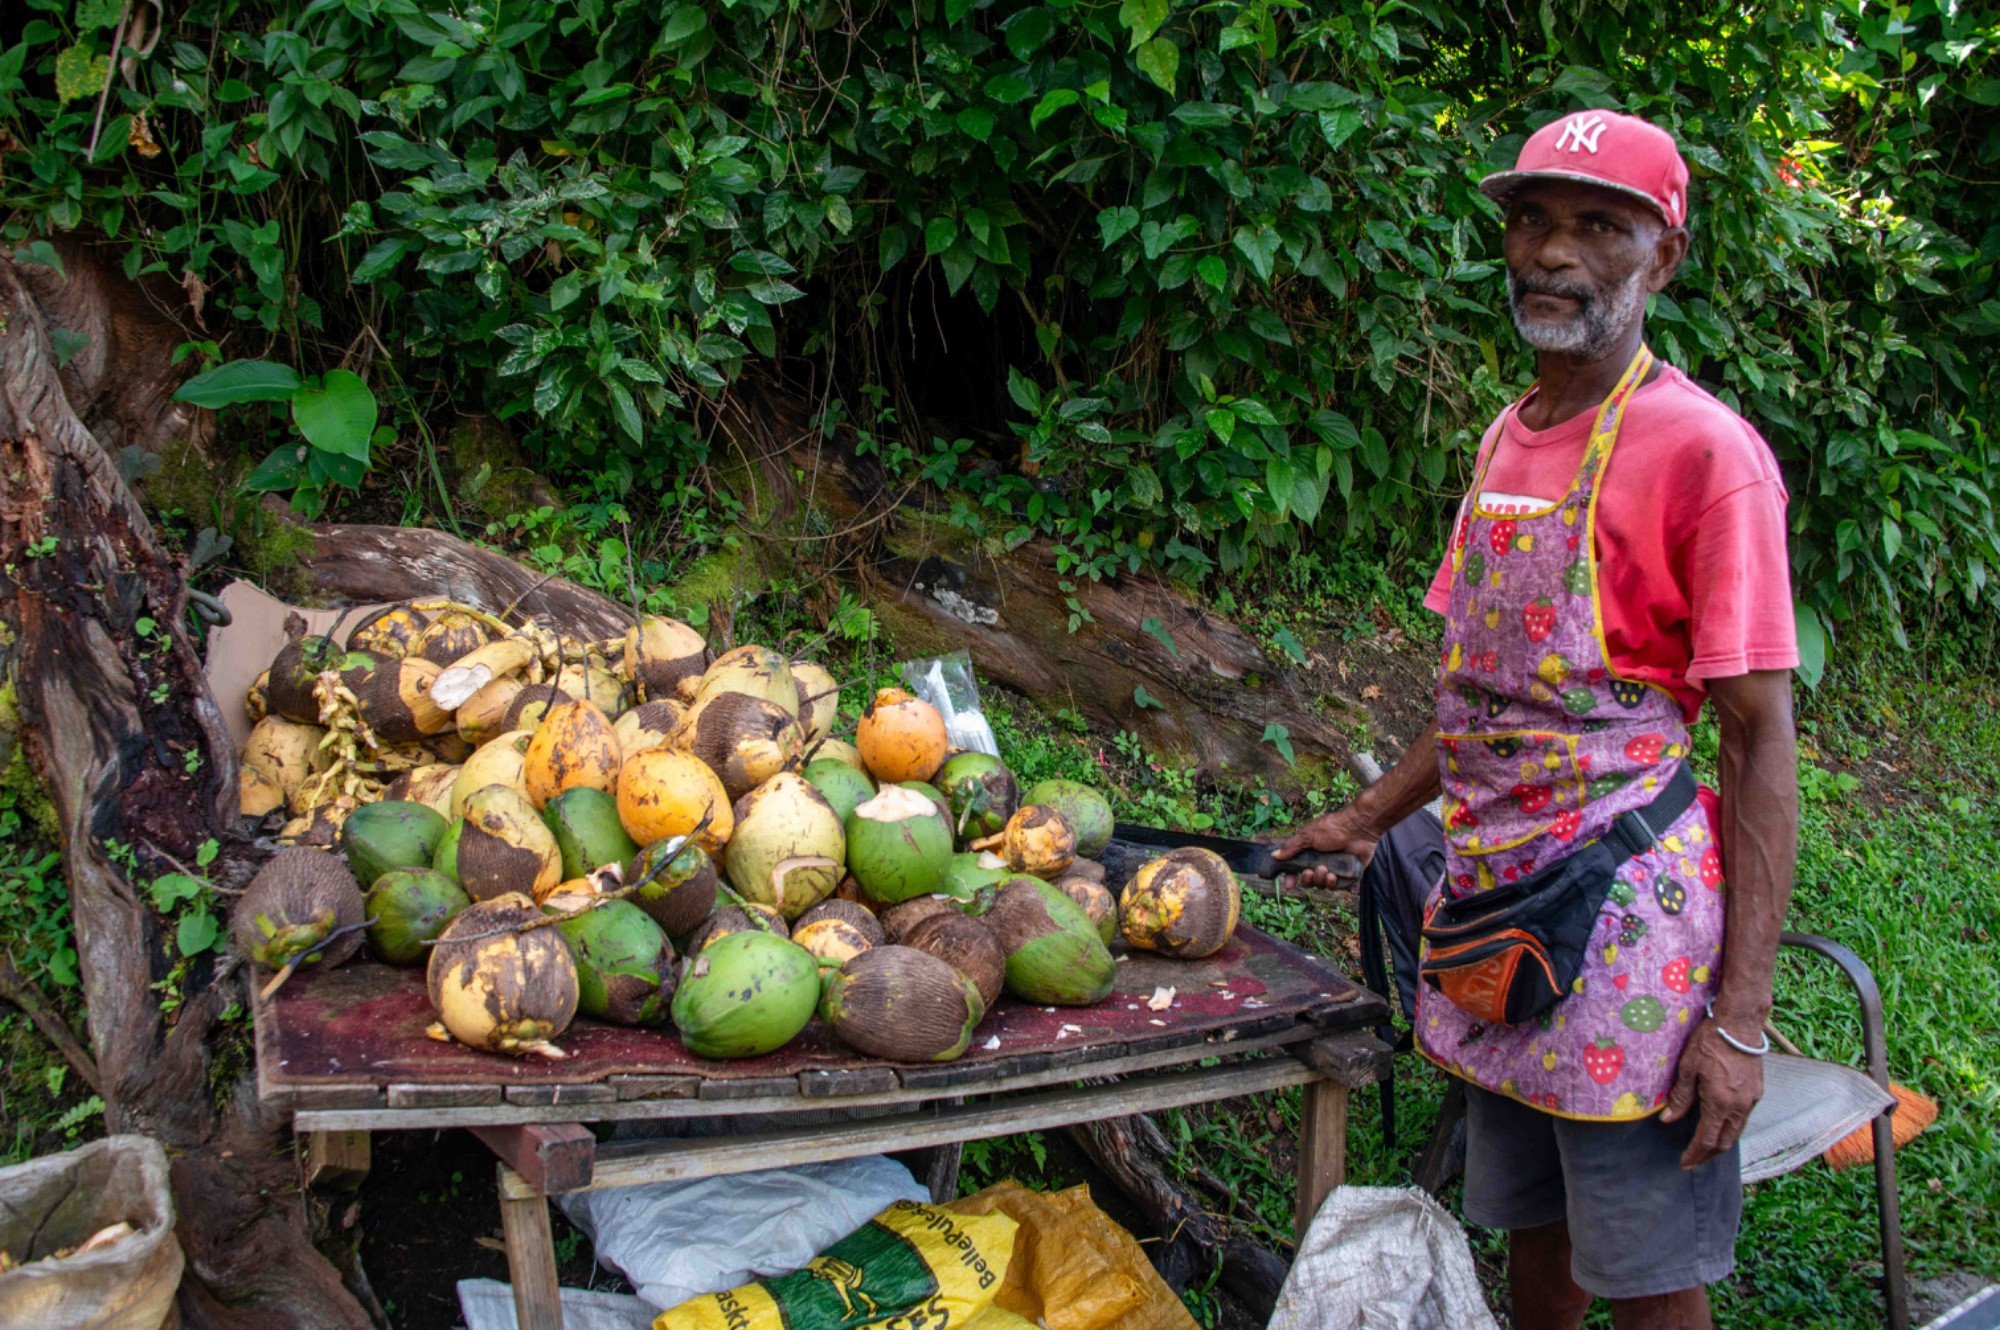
(335, 1158)
(1322, 1150)
(531, 1258)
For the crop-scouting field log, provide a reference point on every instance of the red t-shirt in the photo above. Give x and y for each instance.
(1690, 534)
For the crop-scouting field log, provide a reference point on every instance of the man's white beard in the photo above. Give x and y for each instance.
(1596, 326)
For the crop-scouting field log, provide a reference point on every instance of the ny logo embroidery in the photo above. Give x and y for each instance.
(1582, 133)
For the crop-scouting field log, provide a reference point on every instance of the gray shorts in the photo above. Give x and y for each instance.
(1639, 1224)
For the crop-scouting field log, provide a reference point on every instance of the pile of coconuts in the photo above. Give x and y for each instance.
(640, 832)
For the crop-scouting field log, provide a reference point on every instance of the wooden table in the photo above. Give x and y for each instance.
(344, 1052)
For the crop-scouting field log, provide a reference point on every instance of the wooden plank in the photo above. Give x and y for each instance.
(564, 1095)
(941, 1175)
(751, 1087)
(624, 1163)
(327, 1098)
(920, 1084)
(847, 1081)
(552, 1158)
(1351, 1059)
(531, 1255)
(336, 1158)
(945, 1075)
(1322, 1150)
(656, 1087)
(445, 1096)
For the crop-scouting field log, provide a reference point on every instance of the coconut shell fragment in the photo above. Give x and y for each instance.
(1185, 903)
(968, 946)
(904, 1005)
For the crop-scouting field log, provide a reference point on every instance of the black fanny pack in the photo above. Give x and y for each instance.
(1510, 953)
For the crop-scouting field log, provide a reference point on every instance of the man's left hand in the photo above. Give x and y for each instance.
(1727, 1085)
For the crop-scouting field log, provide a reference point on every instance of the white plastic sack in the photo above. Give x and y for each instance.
(679, 1240)
(1382, 1258)
(488, 1304)
(55, 1203)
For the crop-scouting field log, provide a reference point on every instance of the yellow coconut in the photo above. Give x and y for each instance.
(505, 846)
(574, 747)
(758, 671)
(257, 702)
(499, 985)
(1186, 903)
(389, 633)
(484, 714)
(502, 760)
(426, 785)
(819, 698)
(660, 653)
(839, 750)
(286, 753)
(744, 739)
(788, 846)
(1037, 840)
(648, 725)
(596, 683)
(901, 737)
(256, 793)
(664, 793)
(450, 637)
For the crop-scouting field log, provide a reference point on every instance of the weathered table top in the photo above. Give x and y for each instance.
(353, 1039)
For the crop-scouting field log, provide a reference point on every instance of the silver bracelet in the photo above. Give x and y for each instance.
(1731, 1039)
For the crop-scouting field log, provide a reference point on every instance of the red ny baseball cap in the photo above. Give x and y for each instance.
(1620, 152)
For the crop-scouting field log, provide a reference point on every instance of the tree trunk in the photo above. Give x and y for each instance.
(120, 724)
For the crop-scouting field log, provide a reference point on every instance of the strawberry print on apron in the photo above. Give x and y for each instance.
(1540, 747)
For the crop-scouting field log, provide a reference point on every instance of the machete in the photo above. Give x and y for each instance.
(1246, 857)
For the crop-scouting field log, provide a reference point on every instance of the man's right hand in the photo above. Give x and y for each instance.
(1343, 830)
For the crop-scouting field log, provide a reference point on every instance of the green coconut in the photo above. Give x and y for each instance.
(1054, 954)
(624, 964)
(745, 995)
(410, 906)
(1089, 812)
(681, 895)
(380, 836)
(971, 877)
(898, 845)
(445, 858)
(845, 787)
(936, 796)
(788, 845)
(588, 832)
(982, 794)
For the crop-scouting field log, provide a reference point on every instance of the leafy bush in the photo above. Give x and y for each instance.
(1252, 291)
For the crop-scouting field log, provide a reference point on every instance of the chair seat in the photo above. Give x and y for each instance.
(1807, 1106)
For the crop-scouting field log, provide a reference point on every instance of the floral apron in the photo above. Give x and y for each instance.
(1540, 747)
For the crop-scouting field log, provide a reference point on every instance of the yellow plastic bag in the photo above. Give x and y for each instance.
(912, 1265)
(997, 1317)
(1073, 1267)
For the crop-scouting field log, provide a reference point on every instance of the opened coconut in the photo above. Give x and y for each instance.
(648, 725)
(745, 995)
(744, 739)
(982, 794)
(503, 846)
(1095, 899)
(1038, 841)
(1054, 955)
(845, 787)
(532, 705)
(737, 916)
(500, 985)
(390, 834)
(302, 909)
(900, 737)
(904, 1005)
(681, 894)
(1184, 903)
(483, 716)
(788, 846)
(819, 699)
(938, 801)
(897, 845)
(899, 919)
(968, 946)
(624, 963)
(664, 793)
(587, 831)
(971, 877)
(429, 785)
(1087, 811)
(756, 671)
(451, 637)
(410, 907)
(575, 747)
(500, 761)
(660, 653)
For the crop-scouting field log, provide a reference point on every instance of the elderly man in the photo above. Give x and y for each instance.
(1618, 561)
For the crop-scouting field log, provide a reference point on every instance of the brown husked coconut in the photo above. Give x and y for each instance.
(500, 761)
(901, 737)
(428, 785)
(832, 941)
(1185, 903)
(758, 671)
(648, 725)
(663, 793)
(745, 740)
(1037, 841)
(532, 705)
(902, 1004)
(968, 946)
(660, 653)
(450, 637)
(394, 698)
(484, 714)
(499, 985)
(898, 920)
(819, 699)
(1088, 869)
(295, 909)
(297, 667)
(390, 633)
(505, 847)
(680, 894)
(575, 746)
(1095, 899)
(737, 917)
(859, 916)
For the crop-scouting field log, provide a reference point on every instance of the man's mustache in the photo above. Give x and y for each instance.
(1545, 286)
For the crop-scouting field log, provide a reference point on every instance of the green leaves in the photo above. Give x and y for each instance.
(240, 381)
(1160, 61)
(338, 416)
(1142, 18)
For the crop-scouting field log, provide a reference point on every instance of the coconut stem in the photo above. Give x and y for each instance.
(290, 966)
